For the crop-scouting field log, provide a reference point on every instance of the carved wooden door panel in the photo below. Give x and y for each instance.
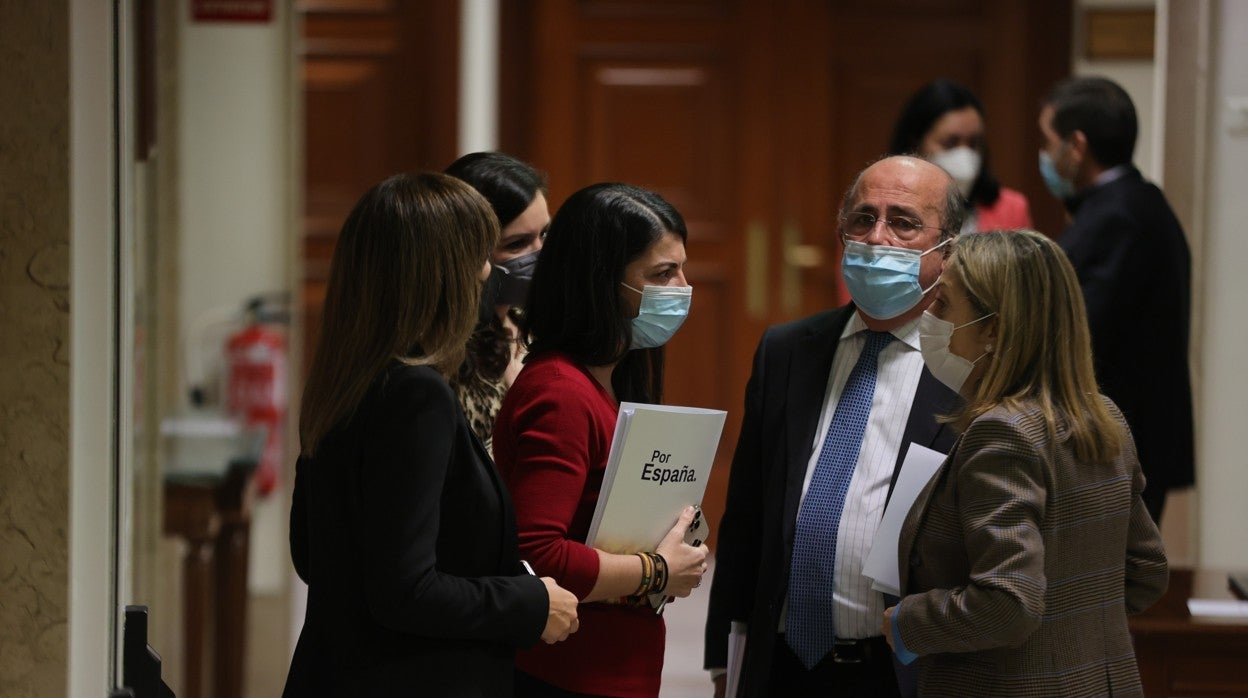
(380, 97)
(660, 94)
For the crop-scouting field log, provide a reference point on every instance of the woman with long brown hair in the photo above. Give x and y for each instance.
(400, 525)
(1022, 558)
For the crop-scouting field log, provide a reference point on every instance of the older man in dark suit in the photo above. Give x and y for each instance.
(1135, 270)
(832, 405)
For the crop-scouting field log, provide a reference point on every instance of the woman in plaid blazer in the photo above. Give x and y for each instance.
(1023, 556)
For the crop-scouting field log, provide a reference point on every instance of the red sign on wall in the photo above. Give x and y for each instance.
(231, 10)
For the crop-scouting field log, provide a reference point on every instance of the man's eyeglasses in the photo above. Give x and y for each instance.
(858, 225)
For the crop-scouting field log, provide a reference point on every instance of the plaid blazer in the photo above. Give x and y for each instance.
(1019, 565)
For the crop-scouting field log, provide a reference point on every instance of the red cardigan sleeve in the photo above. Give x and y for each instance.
(550, 445)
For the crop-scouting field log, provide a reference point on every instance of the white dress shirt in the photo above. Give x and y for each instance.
(859, 610)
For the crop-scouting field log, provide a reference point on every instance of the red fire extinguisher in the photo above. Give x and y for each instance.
(256, 383)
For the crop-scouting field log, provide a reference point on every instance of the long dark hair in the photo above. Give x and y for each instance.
(923, 110)
(510, 185)
(575, 303)
(403, 284)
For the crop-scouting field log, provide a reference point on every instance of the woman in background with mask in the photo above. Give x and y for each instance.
(517, 193)
(1023, 556)
(944, 122)
(609, 290)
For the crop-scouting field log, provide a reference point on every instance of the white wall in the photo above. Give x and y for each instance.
(1205, 164)
(1206, 186)
(1144, 81)
(1135, 76)
(235, 189)
(232, 157)
(91, 235)
(1223, 466)
(478, 75)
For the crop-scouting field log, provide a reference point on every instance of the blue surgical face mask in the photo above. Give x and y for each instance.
(884, 280)
(1058, 185)
(662, 311)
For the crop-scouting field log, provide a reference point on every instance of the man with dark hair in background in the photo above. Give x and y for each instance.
(1135, 270)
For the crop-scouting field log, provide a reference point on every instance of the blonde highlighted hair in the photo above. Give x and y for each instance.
(1043, 350)
(404, 284)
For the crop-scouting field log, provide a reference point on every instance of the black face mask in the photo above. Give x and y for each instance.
(514, 286)
(490, 290)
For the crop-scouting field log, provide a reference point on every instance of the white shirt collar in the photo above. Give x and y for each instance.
(1110, 175)
(907, 333)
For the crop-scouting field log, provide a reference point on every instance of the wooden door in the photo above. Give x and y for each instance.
(751, 117)
(380, 96)
(847, 69)
(653, 93)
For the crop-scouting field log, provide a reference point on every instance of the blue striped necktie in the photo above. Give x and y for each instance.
(808, 626)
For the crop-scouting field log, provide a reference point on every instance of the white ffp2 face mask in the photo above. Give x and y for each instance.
(934, 337)
(963, 164)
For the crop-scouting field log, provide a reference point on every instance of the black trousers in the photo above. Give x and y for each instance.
(529, 686)
(870, 678)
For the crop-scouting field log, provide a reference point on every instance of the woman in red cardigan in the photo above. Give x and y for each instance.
(608, 291)
(944, 122)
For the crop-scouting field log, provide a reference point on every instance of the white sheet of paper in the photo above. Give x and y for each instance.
(1218, 608)
(917, 469)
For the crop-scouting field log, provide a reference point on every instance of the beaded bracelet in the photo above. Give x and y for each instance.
(647, 574)
(660, 574)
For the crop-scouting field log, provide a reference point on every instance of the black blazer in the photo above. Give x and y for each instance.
(783, 401)
(1135, 270)
(407, 540)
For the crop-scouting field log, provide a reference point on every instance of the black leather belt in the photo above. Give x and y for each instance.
(859, 651)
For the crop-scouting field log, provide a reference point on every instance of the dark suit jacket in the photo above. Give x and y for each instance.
(406, 538)
(783, 401)
(1021, 562)
(1135, 270)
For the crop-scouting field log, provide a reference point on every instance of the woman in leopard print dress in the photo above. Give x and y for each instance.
(517, 192)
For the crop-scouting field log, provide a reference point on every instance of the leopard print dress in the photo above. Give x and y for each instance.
(481, 399)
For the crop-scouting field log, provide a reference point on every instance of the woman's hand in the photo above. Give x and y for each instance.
(685, 563)
(887, 626)
(561, 619)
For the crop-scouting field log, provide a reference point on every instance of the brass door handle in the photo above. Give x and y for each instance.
(797, 256)
(803, 256)
(756, 270)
